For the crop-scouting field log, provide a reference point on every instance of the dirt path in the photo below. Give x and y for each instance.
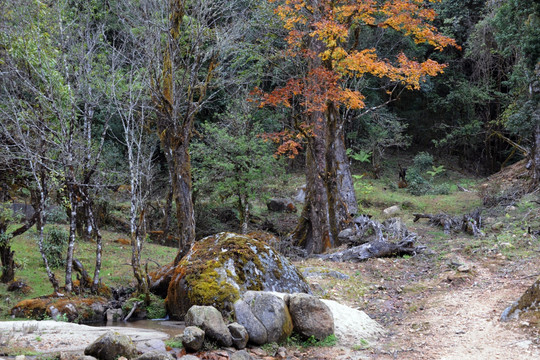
(463, 323)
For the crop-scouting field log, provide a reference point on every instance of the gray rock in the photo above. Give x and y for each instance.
(189, 357)
(323, 272)
(193, 338)
(268, 310)
(54, 313)
(110, 346)
(20, 357)
(244, 316)
(155, 355)
(300, 194)
(98, 312)
(392, 210)
(151, 345)
(114, 315)
(239, 335)
(209, 319)
(310, 316)
(281, 353)
(64, 355)
(241, 355)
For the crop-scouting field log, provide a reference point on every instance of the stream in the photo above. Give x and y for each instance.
(169, 327)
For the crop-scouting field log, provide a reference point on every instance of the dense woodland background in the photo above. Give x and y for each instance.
(179, 107)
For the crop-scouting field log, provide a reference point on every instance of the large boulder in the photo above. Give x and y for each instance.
(211, 322)
(219, 268)
(110, 346)
(265, 317)
(310, 316)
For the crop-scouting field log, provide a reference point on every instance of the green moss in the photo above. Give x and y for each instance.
(216, 264)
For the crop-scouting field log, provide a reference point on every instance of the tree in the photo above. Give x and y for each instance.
(517, 30)
(326, 35)
(187, 45)
(132, 104)
(233, 161)
(54, 110)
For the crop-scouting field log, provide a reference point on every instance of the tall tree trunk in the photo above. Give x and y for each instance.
(6, 256)
(536, 155)
(179, 162)
(94, 229)
(330, 197)
(72, 232)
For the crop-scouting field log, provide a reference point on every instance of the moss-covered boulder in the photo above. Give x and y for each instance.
(73, 309)
(219, 268)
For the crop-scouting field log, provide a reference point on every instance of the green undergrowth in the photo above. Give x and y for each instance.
(295, 340)
(115, 269)
(174, 343)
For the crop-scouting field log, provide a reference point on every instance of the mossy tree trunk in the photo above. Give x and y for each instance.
(6, 256)
(330, 198)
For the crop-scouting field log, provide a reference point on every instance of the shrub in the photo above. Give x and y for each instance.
(417, 184)
(54, 244)
(423, 162)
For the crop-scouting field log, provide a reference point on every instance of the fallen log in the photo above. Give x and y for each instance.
(374, 249)
(469, 223)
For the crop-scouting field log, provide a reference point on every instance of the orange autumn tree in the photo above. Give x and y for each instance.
(325, 34)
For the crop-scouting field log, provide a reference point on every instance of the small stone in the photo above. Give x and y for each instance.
(281, 353)
(209, 319)
(189, 357)
(20, 357)
(258, 352)
(464, 268)
(497, 226)
(241, 355)
(392, 210)
(64, 355)
(155, 355)
(239, 335)
(193, 338)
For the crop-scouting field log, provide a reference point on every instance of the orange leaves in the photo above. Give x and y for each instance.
(330, 22)
(313, 92)
(290, 142)
(326, 33)
(413, 19)
(412, 73)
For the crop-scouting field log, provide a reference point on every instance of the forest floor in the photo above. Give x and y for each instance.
(434, 311)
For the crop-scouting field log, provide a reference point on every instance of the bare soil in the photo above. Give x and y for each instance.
(431, 309)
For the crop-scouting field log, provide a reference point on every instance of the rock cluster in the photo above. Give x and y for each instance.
(261, 318)
(218, 269)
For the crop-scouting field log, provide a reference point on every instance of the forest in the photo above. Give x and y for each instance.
(168, 121)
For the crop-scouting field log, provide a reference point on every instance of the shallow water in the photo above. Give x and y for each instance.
(169, 327)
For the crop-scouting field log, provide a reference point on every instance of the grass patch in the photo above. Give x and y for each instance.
(174, 343)
(295, 340)
(363, 345)
(115, 269)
